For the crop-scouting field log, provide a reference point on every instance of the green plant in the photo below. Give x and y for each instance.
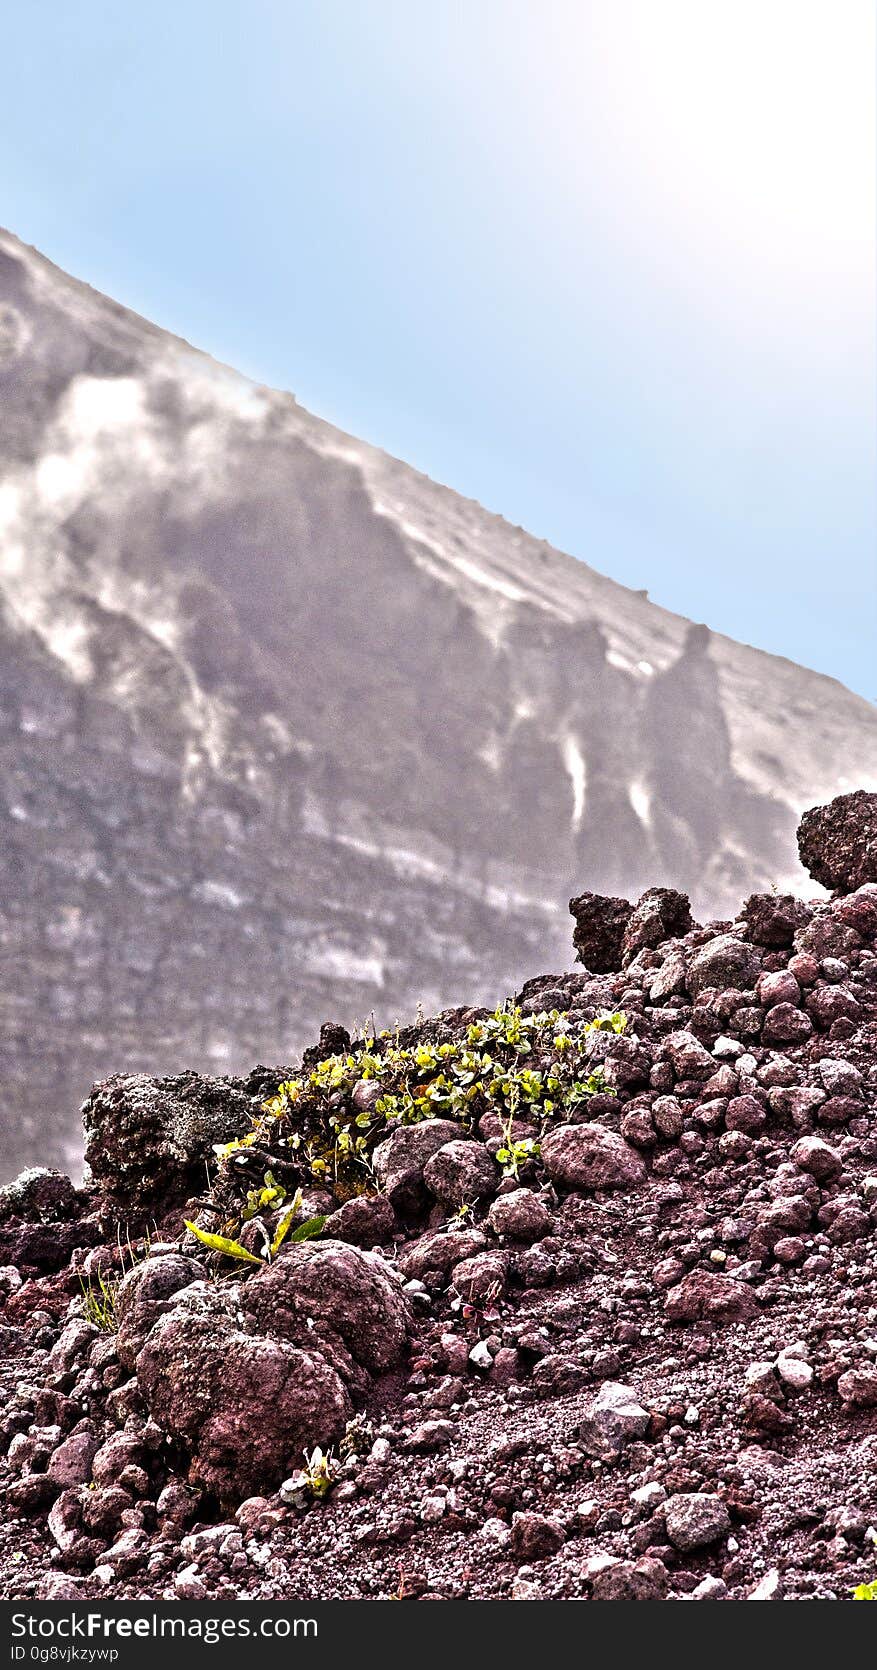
(230, 1248)
(515, 1152)
(865, 1591)
(317, 1476)
(100, 1293)
(358, 1437)
(320, 1127)
(265, 1199)
(222, 1244)
(99, 1302)
(593, 1085)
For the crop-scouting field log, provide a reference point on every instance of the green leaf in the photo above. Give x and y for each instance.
(285, 1223)
(221, 1244)
(310, 1228)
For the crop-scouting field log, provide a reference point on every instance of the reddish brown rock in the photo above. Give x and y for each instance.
(837, 843)
(591, 1157)
(246, 1408)
(660, 914)
(704, 1296)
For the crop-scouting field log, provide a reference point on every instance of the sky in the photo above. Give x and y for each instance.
(607, 266)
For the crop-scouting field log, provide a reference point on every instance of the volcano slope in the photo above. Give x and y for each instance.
(576, 1297)
(288, 729)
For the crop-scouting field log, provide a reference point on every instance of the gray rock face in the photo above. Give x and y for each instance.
(148, 1140)
(615, 1417)
(696, 1520)
(187, 770)
(591, 1157)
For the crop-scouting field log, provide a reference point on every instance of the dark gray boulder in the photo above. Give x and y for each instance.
(147, 1140)
(601, 922)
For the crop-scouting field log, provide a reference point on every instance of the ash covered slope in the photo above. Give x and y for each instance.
(287, 728)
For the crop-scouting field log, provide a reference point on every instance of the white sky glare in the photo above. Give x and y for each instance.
(606, 265)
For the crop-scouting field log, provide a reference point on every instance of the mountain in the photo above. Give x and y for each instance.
(287, 730)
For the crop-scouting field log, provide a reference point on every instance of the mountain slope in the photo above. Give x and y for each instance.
(288, 730)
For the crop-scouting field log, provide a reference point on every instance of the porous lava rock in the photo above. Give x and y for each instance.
(245, 1406)
(248, 1376)
(331, 1291)
(399, 1161)
(147, 1140)
(725, 962)
(591, 1157)
(660, 913)
(704, 1295)
(601, 923)
(772, 919)
(148, 1292)
(36, 1195)
(837, 843)
(460, 1172)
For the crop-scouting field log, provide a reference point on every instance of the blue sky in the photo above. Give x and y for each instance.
(607, 266)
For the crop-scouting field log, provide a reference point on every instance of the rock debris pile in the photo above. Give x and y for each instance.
(573, 1299)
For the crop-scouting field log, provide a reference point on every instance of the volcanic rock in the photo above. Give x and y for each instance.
(148, 1140)
(591, 1157)
(661, 913)
(703, 1295)
(837, 843)
(598, 936)
(399, 1162)
(695, 1520)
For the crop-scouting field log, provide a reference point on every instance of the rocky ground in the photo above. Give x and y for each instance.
(576, 1299)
